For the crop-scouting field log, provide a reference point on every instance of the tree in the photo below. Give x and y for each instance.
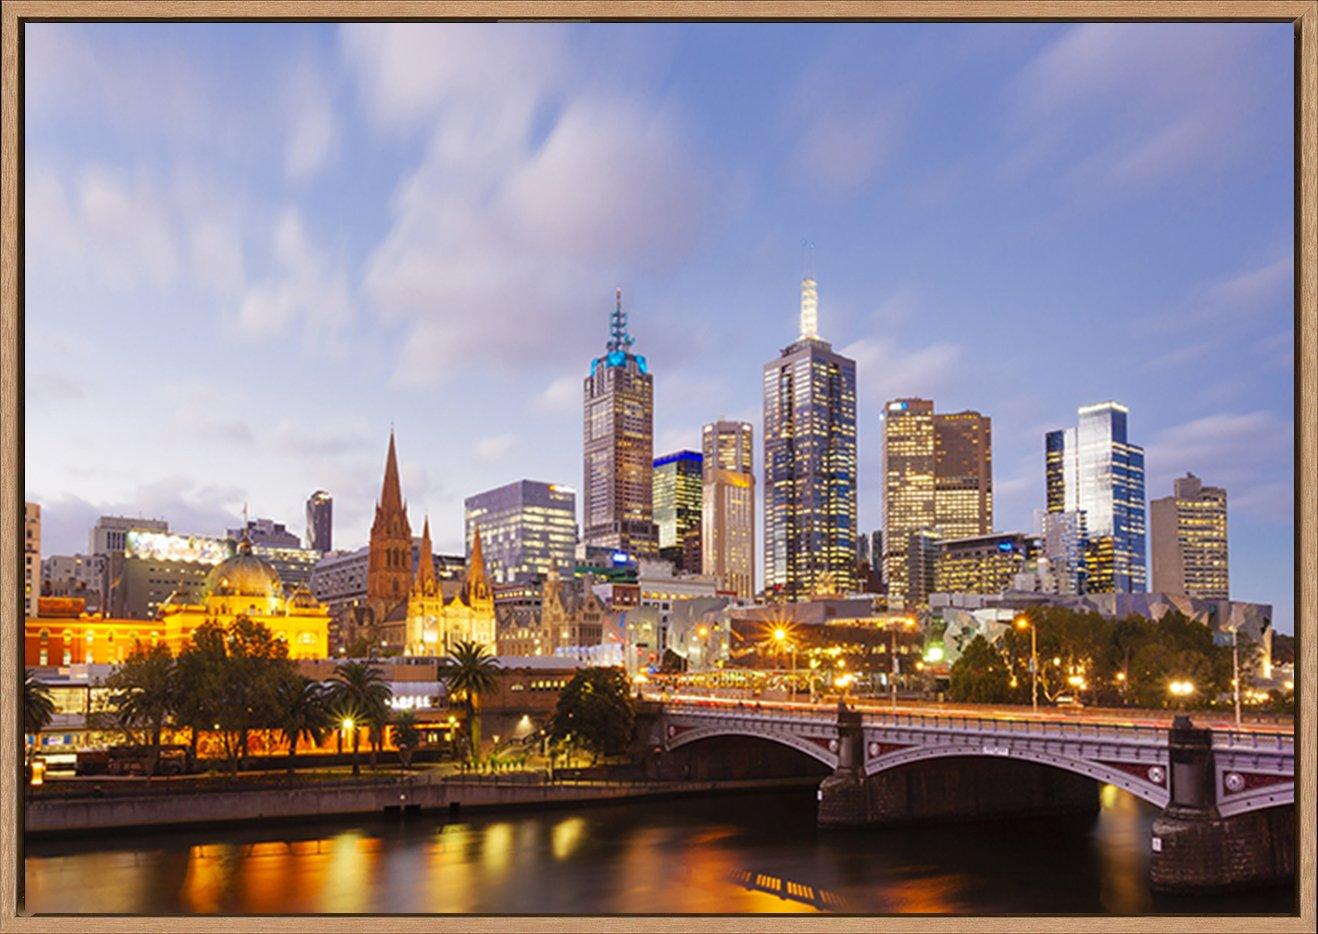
(303, 712)
(406, 737)
(471, 673)
(980, 675)
(143, 691)
(229, 677)
(38, 707)
(595, 709)
(360, 696)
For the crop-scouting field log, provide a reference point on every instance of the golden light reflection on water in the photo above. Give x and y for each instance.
(566, 836)
(207, 877)
(348, 882)
(498, 848)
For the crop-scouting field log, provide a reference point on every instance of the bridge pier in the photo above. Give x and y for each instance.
(1194, 848)
(844, 795)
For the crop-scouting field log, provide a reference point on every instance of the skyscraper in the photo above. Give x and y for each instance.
(320, 521)
(728, 506)
(938, 479)
(31, 557)
(1188, 541)
(528, 529)
(389, 569)
(618, 508)
(809, 463)
(1094, 468)
(678, 478)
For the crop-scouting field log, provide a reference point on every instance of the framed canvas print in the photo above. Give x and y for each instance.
(656, 466)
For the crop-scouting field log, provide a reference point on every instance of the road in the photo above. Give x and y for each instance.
(1216, 720)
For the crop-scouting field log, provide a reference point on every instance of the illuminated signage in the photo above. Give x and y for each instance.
(165, 546)
(896, 406)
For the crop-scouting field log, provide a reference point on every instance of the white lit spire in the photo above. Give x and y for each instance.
(809, 295)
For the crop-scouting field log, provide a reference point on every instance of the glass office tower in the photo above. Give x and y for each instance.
(809, 464)
(1094, 468)
(728, 507)
(677, 483)
(528, 529)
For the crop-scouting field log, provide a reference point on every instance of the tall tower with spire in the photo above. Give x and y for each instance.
(809, 463)
(618, 415)
(389, 567)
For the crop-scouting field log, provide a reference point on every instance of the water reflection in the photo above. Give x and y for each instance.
(736, 854)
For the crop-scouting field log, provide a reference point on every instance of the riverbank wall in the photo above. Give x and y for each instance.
(65, 816)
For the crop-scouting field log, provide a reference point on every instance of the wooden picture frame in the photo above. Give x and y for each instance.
(1302, 13)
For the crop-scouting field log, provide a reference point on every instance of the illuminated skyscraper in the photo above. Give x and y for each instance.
(528, 529)
(1092, 467)
(1188, 541)
(320, 521)
(809, 463)
(938, 479)
(618, 507)
(728, 506)
(677, 503)
(31, 557)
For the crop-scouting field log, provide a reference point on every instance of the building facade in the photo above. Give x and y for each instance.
(1063, 543)
(110, 533)
(677, 490)
(938, 477)
(1094, 468)
(981, 564)
(809, 463)
(433, 625)
(320, 522)
(528, 529)
(618, 456)
(1188, 541)
(266, 532)
(155, 567)
(727, 512)
(81, 576)
(31, 557)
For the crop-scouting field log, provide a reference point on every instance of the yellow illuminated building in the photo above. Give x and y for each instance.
(432, 625)
(242, 585)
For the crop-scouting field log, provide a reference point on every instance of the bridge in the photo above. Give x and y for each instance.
(1226, 795)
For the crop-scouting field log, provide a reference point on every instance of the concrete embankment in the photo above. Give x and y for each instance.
(176, 807)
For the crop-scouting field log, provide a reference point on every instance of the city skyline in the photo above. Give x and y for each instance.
(285, 408)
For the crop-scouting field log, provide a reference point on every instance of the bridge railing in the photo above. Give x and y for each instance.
(948, 723)
(1254, 742)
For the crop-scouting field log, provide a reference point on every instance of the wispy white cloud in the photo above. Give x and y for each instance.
(885, 371)
(313, 128)
(493, 448)
(563, 394)
(526, 197)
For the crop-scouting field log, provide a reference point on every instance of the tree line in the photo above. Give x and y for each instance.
(1108, 662)
(236, 680)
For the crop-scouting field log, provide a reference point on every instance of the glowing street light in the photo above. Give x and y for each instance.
(1022, 623)
(1180, 688)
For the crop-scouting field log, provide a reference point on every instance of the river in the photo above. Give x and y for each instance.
(748, 853)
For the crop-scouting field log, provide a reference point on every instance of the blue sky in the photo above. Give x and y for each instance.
(251, 248)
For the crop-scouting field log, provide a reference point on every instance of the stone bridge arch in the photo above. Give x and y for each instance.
(817, 750)
(1147, 781)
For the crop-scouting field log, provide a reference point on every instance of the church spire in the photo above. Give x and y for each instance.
(391, 494)
(478, 585)
(425, 563)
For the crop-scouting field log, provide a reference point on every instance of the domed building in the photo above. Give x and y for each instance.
(247, 585)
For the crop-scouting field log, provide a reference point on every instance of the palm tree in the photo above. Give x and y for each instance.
(38, 707)
(362, 696)
(406, 737)
(303, 712)
(471, 672)
(145, 690)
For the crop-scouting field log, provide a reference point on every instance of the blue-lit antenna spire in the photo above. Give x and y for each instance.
(619, 339)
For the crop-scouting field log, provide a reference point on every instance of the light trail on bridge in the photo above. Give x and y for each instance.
(1147, 718)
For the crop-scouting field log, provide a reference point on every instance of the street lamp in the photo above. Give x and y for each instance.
(780, 638)
(1023, 623)
(905, 622)
(1180, 688)
(1235, 669)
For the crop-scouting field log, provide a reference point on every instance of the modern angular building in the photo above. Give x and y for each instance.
(528, 529)
(809, 464)
(678, 478)
(1063, 542)
(728, 506)
(1094, 468)
(1188, 541)
(618, 410)
(266, 532)
(320, 522)
(938, 478)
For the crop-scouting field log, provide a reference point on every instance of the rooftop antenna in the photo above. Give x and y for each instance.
(619, 339)
(809, 293)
